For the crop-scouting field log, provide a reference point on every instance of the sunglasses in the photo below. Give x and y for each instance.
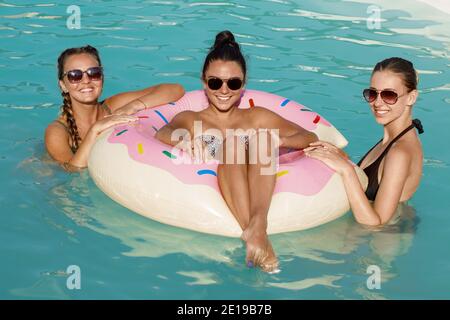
(75, 76)
(388, 96)
(232, 83)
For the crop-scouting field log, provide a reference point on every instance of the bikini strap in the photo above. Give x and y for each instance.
(365, 156)
(62, 123)
(415, 124)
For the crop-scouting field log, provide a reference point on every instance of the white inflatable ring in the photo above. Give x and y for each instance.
(142, 174)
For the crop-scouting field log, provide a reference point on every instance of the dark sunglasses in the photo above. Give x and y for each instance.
(75, 76)
(388, 96)
(232, 83)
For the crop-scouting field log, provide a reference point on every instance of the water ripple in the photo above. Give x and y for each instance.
(326, 16)
(145, 48)
(22, 15)
(434, 163)
(307, 283)
(333, 75)
(105, 28)
(220, 4)
(445, 87)
(307, 68)
(257, 45)
(201, 278)
(239, 17)
(45, 105)
(186, 58)
(170, 74)
(35, 25)
(370, 42)
(264, 58)
(285, 29)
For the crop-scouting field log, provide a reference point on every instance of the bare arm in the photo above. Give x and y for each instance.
(291, 134)
(180, 122)
(134, 101)
(57, 142)
(395, 173)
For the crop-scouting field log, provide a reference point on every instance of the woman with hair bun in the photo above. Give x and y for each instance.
(234, 137)
(71, 136)
(394, 164)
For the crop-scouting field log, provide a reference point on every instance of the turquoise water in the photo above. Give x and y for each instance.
(319, 53)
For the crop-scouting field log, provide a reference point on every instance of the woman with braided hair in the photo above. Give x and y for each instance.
(70, 138)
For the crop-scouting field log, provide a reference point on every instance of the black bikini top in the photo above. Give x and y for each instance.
(372, 170)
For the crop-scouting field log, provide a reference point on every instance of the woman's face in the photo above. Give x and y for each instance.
(88, 90)
(223, 98)
(386, 80)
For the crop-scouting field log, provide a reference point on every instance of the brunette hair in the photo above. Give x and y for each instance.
(225, 48)
(402, 67)
(66, 107)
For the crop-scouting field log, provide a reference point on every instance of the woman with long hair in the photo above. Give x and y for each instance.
(70, 137)
(237, 138)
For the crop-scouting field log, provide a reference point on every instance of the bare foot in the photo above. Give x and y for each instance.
(260, 252)
(270, 264)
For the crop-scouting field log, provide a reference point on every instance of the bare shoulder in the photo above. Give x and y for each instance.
(186, 116)
(257, 111)
(261, 115)
(57, 142)
(56, 127)
(184, 119)
(56, 134)
(264, 118)
(401, 153)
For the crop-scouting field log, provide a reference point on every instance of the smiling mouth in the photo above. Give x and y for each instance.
(381, 112)
(224, 99)
(87, 90)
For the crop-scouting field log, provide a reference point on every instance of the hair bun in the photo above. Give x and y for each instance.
(223, 38)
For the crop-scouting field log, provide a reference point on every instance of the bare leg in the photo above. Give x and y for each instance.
(248, 195)
(233, 183)
(261, 186)
(234, 187)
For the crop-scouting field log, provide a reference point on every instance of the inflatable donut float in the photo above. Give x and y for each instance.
(150, 178)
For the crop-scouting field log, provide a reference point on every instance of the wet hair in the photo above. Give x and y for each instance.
(225, 48)
(402, 67)
(66, 107)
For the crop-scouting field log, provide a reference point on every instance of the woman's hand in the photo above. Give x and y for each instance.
(196, 148)
(110, 121)
(329, 146)
(329, 154)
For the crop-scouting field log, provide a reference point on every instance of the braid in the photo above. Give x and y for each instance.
(67, 114)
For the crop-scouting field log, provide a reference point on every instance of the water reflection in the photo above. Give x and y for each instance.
(351, 248)
(340, 250)
(334, 256)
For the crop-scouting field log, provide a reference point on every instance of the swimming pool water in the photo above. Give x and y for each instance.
(319, 53)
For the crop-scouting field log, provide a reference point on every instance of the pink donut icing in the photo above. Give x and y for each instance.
(296, 173)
